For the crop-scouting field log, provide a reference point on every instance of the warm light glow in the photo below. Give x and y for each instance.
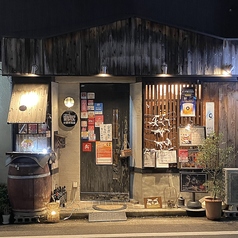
(103, 72)
(69, 102)
(103, 75)
(163, 75)
(29, 99)
(225, 73)
(227, 70)
(53, 213)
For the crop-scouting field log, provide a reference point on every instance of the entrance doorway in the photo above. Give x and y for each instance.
(104, 174)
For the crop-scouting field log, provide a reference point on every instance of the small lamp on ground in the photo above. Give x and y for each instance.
(53, 212)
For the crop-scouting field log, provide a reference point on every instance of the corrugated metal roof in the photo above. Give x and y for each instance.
(28, 103)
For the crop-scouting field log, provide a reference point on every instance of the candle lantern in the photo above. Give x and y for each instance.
(53, 213)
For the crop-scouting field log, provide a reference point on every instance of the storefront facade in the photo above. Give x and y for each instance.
(130, 99)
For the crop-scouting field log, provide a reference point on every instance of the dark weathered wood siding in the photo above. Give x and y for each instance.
(128, 47)
(225, 98)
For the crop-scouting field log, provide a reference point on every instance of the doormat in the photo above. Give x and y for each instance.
(109, 207)
(106, 216)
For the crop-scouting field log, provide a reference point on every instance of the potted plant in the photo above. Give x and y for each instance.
(214, 155)
(5, 209)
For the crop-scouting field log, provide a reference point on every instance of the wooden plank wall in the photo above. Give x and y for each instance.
(163, 100)
(128, 47)
(225, 98)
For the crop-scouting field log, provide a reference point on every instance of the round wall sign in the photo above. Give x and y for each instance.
(69, 118)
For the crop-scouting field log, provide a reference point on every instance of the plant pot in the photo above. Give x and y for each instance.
(213, 209)
(5, 219)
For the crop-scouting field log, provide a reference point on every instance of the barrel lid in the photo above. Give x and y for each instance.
(40, 158)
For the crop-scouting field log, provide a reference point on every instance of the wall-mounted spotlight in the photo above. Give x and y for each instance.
(103, 71)
(164, 68)
(189, 126)
(34, 68)
(227, 69)
(68, 102)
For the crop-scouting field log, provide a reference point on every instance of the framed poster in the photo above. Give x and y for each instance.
(191, 162)
(188, 102)
(191, 137)
(193, 182)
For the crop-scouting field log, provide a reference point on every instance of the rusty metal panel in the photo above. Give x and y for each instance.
(28, 103)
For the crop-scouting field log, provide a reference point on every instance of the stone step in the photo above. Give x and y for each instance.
(99, 216)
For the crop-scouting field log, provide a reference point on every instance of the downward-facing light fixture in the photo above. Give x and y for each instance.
(103, 71)
(227, 69)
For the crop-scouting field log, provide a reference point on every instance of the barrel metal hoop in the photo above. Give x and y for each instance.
(23, 165)
(29, 177)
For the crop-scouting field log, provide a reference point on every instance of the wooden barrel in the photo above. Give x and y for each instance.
(29, 187)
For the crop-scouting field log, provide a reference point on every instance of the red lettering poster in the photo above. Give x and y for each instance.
(103, 152)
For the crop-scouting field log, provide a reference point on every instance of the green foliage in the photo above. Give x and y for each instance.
(4, 200)
(214, 155)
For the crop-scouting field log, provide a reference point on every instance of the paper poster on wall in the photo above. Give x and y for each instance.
(84, 123)
(98, 108)
(91, 95)
(188, 102)
(84, 134)
(90, 108)
(209, 118)
(91, 103)
(83, 105)
(183, 155)
(99, 119)
(91, 121)
(91, 133)
(149, 158)
(166, 156)
(91, 114)
(103, 153)
(84, 114)
(83, 95)
(157, 161)
(87, 147)
(106, 132)
(91, 136)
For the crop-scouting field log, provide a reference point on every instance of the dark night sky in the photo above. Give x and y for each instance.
(45, 18)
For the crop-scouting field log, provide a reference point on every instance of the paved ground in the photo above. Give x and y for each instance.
(83, 209)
